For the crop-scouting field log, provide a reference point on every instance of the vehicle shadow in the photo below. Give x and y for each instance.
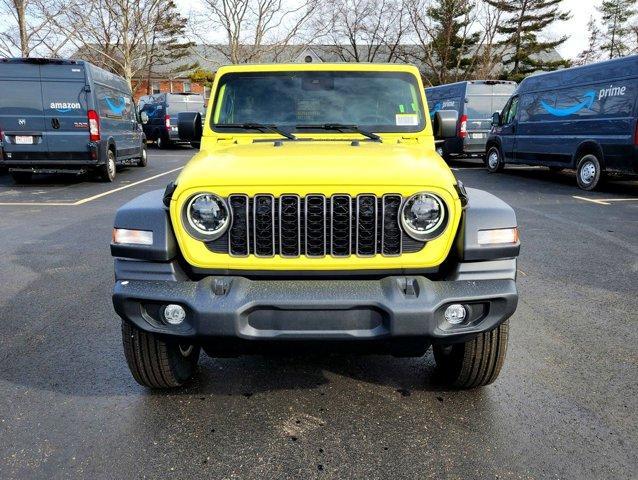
(612, 185)
(61, 334)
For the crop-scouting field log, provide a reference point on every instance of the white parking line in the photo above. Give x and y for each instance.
(605, 201)
(88, 199)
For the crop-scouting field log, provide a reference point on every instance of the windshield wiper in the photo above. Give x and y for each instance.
(340, 127)
(262, 127)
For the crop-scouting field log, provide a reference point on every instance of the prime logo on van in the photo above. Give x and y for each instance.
(587, 102)
(64, 107)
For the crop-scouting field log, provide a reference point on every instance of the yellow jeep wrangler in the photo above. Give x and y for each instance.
(316, 214)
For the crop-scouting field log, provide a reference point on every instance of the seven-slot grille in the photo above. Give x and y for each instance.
(315, 226)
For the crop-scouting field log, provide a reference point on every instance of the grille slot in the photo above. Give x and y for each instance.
(315, 226)
(264, 225)
(366, 225)
(341, 225)
(391, 232)
(239, 232)
(289, 226)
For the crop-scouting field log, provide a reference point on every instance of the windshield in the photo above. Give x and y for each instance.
(374, 101)
(177, 104)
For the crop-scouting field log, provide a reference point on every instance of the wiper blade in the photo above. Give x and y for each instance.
(340, 127)
(262, 127)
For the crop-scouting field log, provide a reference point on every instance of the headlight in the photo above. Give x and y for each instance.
(423, 216)
(207, 215)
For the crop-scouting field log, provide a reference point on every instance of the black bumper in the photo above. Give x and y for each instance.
(342, 310)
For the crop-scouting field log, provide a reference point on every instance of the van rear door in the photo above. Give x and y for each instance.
(64, 91)
(482, 100)
(21, 112)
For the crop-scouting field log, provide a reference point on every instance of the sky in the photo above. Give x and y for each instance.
(576, 27)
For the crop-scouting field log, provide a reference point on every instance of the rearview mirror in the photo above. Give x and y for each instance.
(144, 117)
(496, 119)
(445, 123)
(189, 126)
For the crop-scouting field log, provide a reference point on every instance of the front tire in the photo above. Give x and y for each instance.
(157, 363)
(494, 160)
(109, 169)
(589, 172)
(474, 363)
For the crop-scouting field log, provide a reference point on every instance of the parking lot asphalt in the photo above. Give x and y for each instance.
(565, 405)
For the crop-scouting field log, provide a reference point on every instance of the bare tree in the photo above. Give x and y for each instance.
(29, 28)
(489, 53)
(363, 30)
(119, 35)
(446, 38)
(254, 30)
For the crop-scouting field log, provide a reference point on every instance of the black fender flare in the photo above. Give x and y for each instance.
(147, 212)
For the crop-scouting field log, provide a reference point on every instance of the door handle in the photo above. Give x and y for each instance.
(55, 123)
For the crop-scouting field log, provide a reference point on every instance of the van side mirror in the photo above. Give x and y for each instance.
(496, 119)
(445, 123)
(144, 117)
(189, 126)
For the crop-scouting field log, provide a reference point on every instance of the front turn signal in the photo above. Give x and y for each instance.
(498, 236)
(125, 236)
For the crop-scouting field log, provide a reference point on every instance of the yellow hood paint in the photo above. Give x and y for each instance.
(253, 163)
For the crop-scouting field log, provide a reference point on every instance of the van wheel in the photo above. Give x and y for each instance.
(108, 170)
(474, 363)
(494, 160)
(143, 160)
(589, 172)
(443, 153)
(22, 177)
(162, 142)
(158, 363)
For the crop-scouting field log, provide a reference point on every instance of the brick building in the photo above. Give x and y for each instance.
(166, 85)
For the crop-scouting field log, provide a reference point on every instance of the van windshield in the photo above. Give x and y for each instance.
(483, 106)
(374, 101)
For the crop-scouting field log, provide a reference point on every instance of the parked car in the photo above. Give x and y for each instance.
(160, 114)
(61, 116)
(475, 101)
(583, 118)
(324, 218)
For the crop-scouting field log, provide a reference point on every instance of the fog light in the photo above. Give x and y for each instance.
(455, 313)
(174, 314)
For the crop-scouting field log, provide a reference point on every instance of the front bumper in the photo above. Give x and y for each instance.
(342, 310)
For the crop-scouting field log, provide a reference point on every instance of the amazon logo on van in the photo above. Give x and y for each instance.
(64, 107)
(587, 101)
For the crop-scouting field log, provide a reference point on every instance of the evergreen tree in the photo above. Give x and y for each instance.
(168, 48)
(452, 43)
(615, 15)
(592, 52)
(524, 22)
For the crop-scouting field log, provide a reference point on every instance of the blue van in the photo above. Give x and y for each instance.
(60, 116)
(160, 113)
(582, 118)
(475, 101)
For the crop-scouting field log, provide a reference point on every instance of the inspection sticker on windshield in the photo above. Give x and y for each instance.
(407, 119)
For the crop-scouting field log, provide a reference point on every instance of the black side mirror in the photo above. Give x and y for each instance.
(189, 126)
(496, 119)
(445, 123)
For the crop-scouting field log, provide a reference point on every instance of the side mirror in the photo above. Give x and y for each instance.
(445, 123)
(144, 117)
(189, 126)
(496, 119)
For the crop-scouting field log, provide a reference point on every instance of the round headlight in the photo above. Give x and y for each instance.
(208, 215)
(423, 216)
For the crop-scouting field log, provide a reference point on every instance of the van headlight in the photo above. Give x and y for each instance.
(423, 216)
(207, 215)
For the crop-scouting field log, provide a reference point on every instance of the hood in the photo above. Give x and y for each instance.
(320, 163)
